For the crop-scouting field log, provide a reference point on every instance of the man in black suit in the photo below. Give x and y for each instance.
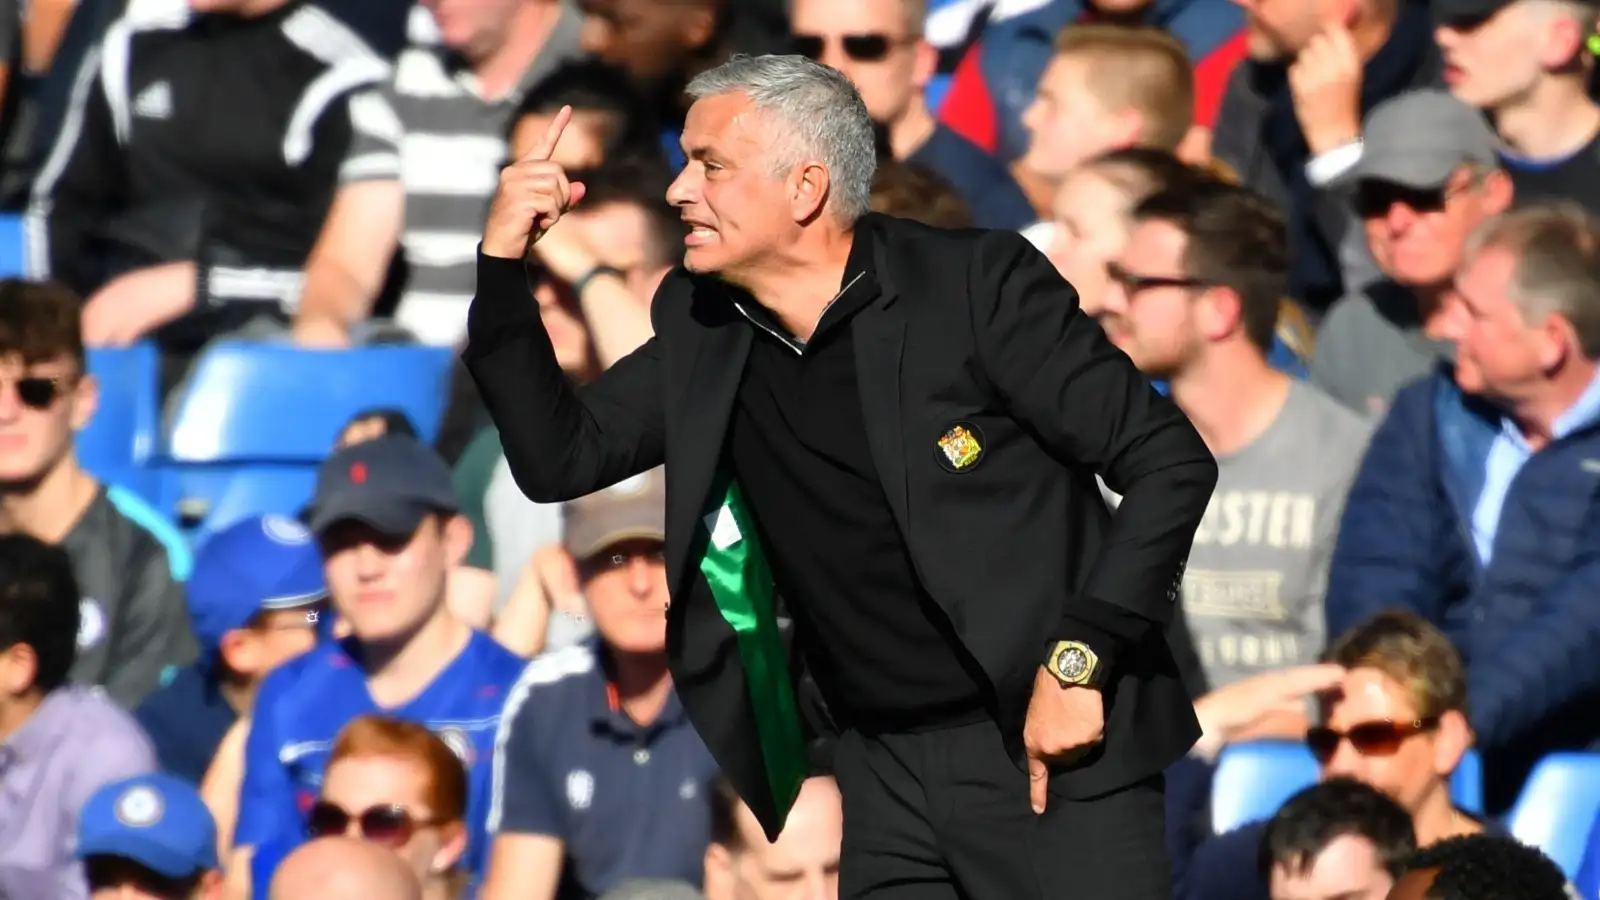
(899, 426)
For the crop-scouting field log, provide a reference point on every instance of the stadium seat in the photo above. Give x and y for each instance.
(278, 403)
(126, 425)
(258, 419)
(1557, 806)
(13, 247)
(1252, 780)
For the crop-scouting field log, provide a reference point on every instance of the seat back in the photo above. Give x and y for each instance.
(274, 403)
(1254, 779)
(13, 247)
(1557, 806)
(126, 425)
(258, 419)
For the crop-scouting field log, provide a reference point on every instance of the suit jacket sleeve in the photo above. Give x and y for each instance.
(1061, 378)
(560, 441)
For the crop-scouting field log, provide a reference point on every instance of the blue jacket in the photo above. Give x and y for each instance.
(1527, 625)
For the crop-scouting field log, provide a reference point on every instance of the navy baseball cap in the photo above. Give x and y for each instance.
(255, 565)
(157, 821)
(389, 483)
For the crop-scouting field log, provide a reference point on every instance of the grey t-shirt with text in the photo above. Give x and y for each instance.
(1254, 586)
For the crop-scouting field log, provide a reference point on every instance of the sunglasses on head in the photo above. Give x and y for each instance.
(389, 824)
(1381, 738)
(37, 392)
(859, 47)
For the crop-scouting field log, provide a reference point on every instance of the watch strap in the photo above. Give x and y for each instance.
(583, 280)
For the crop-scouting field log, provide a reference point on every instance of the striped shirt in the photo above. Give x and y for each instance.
(452, 146)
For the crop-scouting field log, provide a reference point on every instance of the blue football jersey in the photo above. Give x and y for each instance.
(302, 706)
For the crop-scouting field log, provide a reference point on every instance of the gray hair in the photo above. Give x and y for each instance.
(1557, 269)
(817, 114)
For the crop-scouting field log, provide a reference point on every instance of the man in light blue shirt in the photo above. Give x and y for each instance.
(59, 744)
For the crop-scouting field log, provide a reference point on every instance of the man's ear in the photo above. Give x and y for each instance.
(240, 652)
(808, 191)
(85, 400)
(719, 875)
(458, 537)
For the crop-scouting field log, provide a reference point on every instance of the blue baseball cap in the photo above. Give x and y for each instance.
(389, 483)
(157, 821)
(257, 564)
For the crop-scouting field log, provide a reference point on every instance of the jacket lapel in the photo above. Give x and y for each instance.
(697, 425)
(880, 337)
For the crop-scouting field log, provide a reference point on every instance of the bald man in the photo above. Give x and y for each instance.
(802, 863)
(343, 868)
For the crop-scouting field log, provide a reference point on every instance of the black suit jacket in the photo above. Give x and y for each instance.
(973, 328)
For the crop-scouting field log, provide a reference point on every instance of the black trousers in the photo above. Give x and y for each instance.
(941, 815)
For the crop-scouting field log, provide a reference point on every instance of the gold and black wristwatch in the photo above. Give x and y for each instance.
(1075, 665)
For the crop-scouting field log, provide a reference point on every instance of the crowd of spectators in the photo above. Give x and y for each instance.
(1356, 241)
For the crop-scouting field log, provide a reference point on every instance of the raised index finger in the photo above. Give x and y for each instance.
(547, 144)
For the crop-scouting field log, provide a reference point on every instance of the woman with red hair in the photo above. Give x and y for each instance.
(398, 784)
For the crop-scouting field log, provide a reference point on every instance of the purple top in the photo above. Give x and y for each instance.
(77, 741)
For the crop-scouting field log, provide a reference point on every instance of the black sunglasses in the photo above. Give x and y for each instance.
(1134, 284)
(1374, 199)
(1380, 738)
(38, 393)
(611, 560)
(389, 824)
(859, 47)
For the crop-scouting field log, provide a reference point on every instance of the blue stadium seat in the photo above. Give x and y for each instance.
(1557, 807)
(274, 402)
(13, 247)
(259, 418)
(126, 426)
(1252, 780)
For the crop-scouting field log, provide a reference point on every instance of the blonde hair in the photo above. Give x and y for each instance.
(1139, 68)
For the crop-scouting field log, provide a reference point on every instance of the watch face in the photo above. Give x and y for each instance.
(1073, 663)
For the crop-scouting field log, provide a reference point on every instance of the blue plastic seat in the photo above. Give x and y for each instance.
(1254, 779)
(278, 403)
(1557, 806)
(258, 419)
(125, 429)
(13, 247)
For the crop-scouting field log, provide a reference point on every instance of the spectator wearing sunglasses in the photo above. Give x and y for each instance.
(599, 775)
(1526, 64)
(1429, 175)
(149, 838)
(880, 45)
(133, 622)
(257, 598)
(399, 785)
(1397, 721)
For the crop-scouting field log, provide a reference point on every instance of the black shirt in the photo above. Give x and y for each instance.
(1574, 178)
(881, 650)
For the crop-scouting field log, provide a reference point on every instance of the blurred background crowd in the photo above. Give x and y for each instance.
(275, 620)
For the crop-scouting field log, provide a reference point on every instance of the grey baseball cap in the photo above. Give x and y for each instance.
(632, 509)
(1420, 137)
(390, 483)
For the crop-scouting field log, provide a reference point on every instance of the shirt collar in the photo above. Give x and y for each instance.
(857, 287)
(608, 715)
(1583, 412)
